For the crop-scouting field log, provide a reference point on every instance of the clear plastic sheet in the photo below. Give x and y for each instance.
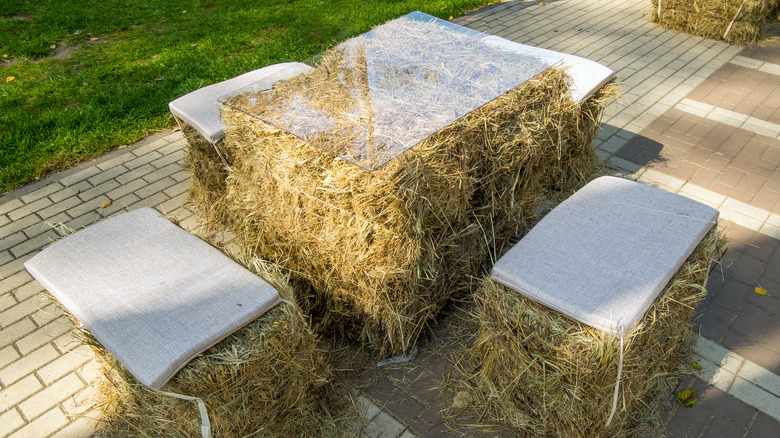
(375, 96)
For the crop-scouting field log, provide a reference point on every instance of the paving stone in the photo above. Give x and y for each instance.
(162, 173)
(106, 175)
(34, 244)
(150, 148)
(101, 189)
(8, 354)
(70, 191)
(52, 223)
(93, 205)
(135, 174)
(383, 426)
(142, 160)
(11, 395)
(175, 157)
(725, 405)
(10, 334)
(19, 311)
(29, 209)
(126, 188)
(44, 425)
(10, 205)
(40, 193)
(59, 207)
(79, 428)
(80, 176)
(7, 300)
(46, 313)
(13, 281)
(51, 396)
(763, 426)
(67, 342)
(10, 421)
(116, 161)
(43, 335)
(28, 364)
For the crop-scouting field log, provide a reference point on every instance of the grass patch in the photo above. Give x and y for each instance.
(116, 64)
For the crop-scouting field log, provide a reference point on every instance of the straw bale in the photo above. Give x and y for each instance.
(549, 375)
(711, 18)
(270, 378)
(385, 250)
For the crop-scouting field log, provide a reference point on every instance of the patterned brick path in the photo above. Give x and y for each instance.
(698, 117)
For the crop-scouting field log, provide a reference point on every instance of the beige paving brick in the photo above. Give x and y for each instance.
(142, 160)
(70, 191)
(93, 205)
(15, 331)
(173, 204)
(81, 402)
(10, 421)
(19, 224)
(14, 280)
(80, 176)
(59, 207)
(121, 205)
(43, 335)
(176, 146)
(4, 221)
(8, 354)
(7, 300)
(116, 161)
(181, 175)
(47, 312)
(19, 311)
(134, 174)
(126, 188)
(5, 257)
(29, 209)
(34, 244)
(10, 205)
(175, 157)
(40, 193)
(98, 190)
(80, 428)
(13, 266)
(11, 395)
(43, 426)
(12, 240)
(67, 342)
(150, 148)
(91, 370)
(107, 175)
(27, 291)
(51, 396)
(162, 173)
(28, 364)
(151, 201)
(49, 224)
(69, 362)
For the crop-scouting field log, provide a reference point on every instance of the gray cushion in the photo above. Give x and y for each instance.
(154, 295)
(200, 108)
(602, 256)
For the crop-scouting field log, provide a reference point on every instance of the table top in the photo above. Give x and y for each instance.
(375, 96)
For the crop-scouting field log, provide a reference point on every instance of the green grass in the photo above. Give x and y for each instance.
(114, 90)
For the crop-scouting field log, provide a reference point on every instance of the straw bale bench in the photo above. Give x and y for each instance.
(153, 297)
(583, 305)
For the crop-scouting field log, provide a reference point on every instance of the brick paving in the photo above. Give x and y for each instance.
(698, 117)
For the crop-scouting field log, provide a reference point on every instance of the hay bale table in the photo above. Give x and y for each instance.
(580, 317)
(388, 174)
(152, 298)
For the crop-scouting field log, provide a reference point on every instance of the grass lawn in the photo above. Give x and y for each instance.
(79, 78)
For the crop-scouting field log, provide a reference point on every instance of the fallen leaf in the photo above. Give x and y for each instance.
(760, 290)
(443, 8)
(94, 39)
(53, 46)
(78, 32)
(450, 18)
(686, 398)
(155, 56)
(158, 79)
(697, 366)
(105, 204)
(9, 78)
(5, 55)
(542, 3)
(19, 65)
(462, 400)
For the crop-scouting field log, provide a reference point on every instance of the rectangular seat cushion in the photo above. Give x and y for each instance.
(200, 108)
(602, 256)
(154, 295)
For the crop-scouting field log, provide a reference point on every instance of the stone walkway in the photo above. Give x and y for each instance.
(698, 117)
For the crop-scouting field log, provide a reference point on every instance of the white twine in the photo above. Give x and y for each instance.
(617, 385)
(205, 424)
